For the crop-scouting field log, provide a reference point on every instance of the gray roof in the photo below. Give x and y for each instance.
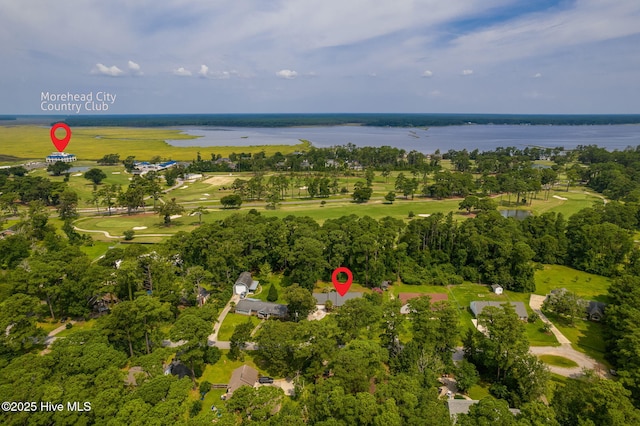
(460, 406)
(595, 307)
(477, 306)
(253, 305)
(241, 376)
(336, 299)
(254, 286)
(494, 286)
(245, 278)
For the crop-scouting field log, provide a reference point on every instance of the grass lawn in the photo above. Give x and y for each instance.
(220, 372)
(463, 294)
(585, 285)
(97, 249)
(48, 326)
(263, 289)
(537, 337)
(92, 143)
(79, 326)
(479, 391)
(397, 288)
(586, 337)
(230, 322)
(558, 361)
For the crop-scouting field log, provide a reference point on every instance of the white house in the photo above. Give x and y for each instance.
(245, 284)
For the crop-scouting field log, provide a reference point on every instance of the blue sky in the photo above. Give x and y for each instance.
(236, 56)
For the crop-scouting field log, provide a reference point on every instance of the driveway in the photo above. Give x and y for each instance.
(565, 349)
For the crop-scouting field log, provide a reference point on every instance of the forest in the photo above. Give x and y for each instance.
(364, 363)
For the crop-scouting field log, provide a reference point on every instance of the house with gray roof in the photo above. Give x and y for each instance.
(335, 298)
(242, 376)
(595, 310)
(462, 406)
(245, 284)
(477, 306)
(261, 309)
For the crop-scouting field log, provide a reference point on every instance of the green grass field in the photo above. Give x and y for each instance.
(558, 361)
(479, 391)
(230, 322)
(585, 285)
(586, 336)
(78, 326)
(92, 143)
(220, 372)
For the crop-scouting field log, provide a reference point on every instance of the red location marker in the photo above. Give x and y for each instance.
(342, 288)
(60, 144)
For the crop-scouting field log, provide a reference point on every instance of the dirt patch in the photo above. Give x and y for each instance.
(220, 180)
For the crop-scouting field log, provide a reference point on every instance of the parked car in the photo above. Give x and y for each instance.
(265, 380)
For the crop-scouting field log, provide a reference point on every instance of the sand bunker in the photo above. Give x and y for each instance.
(115, 173)
(206, 195)
(424, 215)
(560, 198)
(204, 198)
(220, 180)
(184, 187)
(77, 174)
(175, 216)
(139, 228)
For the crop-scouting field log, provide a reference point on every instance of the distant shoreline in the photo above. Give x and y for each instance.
(321, 120)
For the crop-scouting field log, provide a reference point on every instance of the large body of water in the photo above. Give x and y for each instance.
(482, 137)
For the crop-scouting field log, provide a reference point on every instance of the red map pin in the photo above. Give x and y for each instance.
(342, 288)
(60, 144)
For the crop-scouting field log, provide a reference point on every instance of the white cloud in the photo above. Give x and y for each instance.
(112, 71)
(537, 75)
(427, 73)
(287, 74)
(134, 68)
(204, 71)
(467, 72)
(182, 72)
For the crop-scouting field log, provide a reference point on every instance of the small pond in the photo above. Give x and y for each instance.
(78, 169)
(518, 214)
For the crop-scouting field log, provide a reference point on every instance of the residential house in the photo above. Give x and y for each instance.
(478, 306)
(177, 368)
(335, 299)
(405, 297)
(202, 296)
(262, 310)
(245, 284)
(462, 406)
(242, 376)
(595, 310)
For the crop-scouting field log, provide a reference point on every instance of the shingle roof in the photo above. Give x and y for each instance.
(460, 406)
(435, 297)
(477, 306)
(254, 305)
(335, 298)
(245, 278)
(241, 376)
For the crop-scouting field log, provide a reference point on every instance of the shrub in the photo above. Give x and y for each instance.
(128, 234)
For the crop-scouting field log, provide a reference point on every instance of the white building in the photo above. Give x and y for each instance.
(60, 156)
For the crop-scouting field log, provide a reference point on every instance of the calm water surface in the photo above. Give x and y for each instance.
(482, 137)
